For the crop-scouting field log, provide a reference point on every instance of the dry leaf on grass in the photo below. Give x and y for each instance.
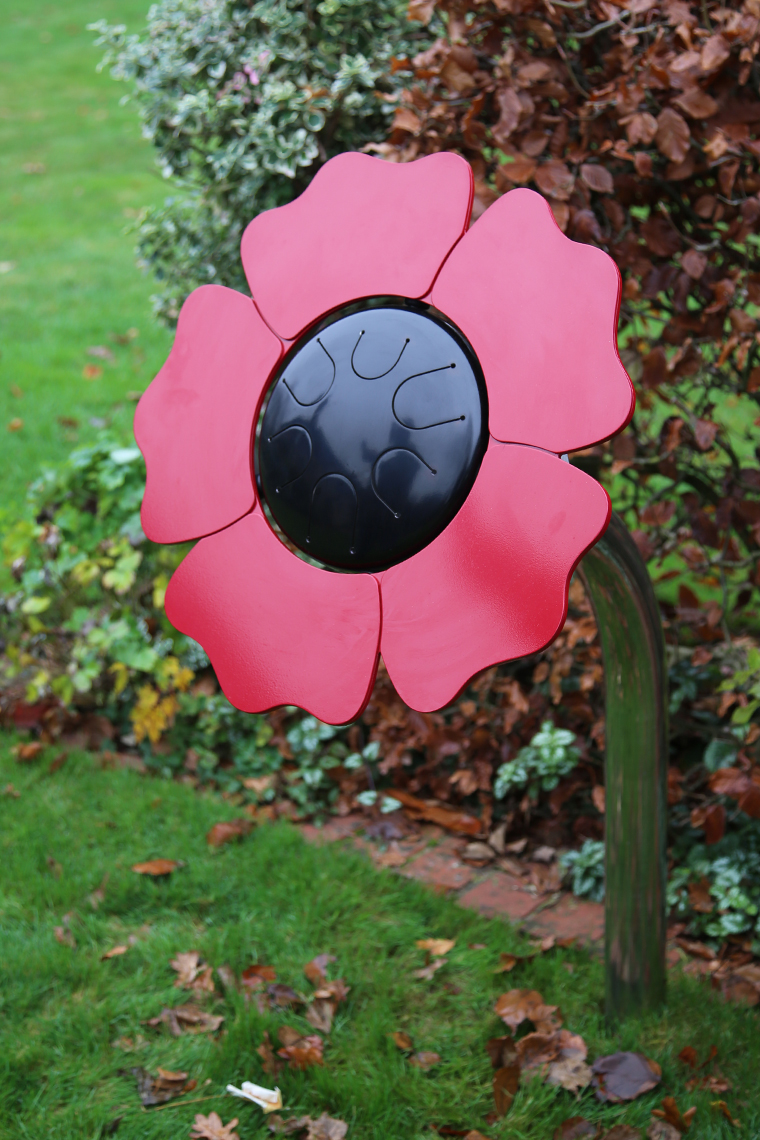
(316, 969)
(211, 1128)
(661, 1130)
(437, 947)
(99, 894)
(130, 1044)
(114, 952)
(227, 977)
(723, 1109)
(517, 1006)
(192, 973)
(672, 1115)
(624, 1076)
(254, 977)
(269, 1062)
(9, 790)
(506, 1078)
(427, 972)
(277, 996)
(26, 753)
(425, 1061)
(162, 1088)
(571, 1073)
(228, 830)
(300, 1052)
(186, 1019)
(156, 867)
(402, 1041)
(269, 1100)
(576, 1128)
(328, 995)
(324, 1128)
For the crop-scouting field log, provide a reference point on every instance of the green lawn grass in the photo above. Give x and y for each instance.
(275, 900)
(73, 281)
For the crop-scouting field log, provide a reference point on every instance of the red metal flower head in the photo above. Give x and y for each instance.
(393, 404)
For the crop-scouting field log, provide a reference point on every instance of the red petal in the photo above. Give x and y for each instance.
(194, 424)
(363, 228)
(492, 586)
(541, 313)
(277, 630)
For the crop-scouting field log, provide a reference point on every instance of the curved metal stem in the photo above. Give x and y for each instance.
(630, 630)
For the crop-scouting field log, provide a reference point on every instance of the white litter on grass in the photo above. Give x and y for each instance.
(270, 1100)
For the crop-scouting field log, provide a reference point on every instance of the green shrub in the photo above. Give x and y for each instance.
(540, 765)
(243, 102)
(585, 869)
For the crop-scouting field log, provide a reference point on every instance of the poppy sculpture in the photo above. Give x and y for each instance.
(371, 450)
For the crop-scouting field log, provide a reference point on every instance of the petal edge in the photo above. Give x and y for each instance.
(194, 423)
(362, 228)
(277, 630)
(493, 586)
(541, 313)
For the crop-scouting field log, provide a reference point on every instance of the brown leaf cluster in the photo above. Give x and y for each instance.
(161, 1088)
(323, 1128)
(181, 1019)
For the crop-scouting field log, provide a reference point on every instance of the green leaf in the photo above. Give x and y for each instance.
(35, 605)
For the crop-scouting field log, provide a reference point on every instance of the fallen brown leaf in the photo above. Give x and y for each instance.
(661, 1130)
(438, 947)
(254, 977)
(445, 817)
(735, 988)
(300, 1052)
(269, 1063)
(283, 996)
(572, 1074)
(689, 1056)
(114, 952)
(716, 1083)
(316, 969)
(320, 1013)
(186, 1019)
(9, 790)
(227, 977)
(211, 1128)
(187, 965)
(624, 1076)
(64, 936)
(26, 753)
(517, 1006)
(576, 1128)
(402, 1041)
(724, 1110)
(228, 830)
(130, 1044)
(507, 963)
(162, 1088)
(425, 1060)
(192, 973)
(671, 1113)
(427, 972)
(506, 1082)
(99, 894)
(156, 867)
(324, 1128)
